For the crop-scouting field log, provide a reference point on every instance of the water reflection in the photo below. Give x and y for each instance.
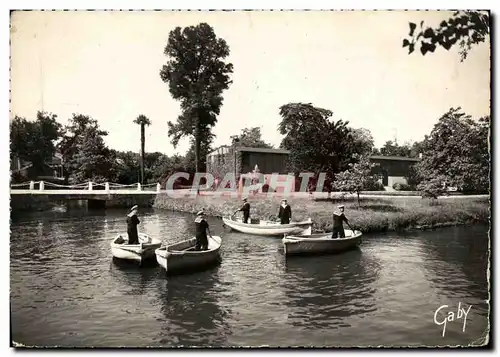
(192, 313)
(456, 261)
(132, 279)
(324, 291)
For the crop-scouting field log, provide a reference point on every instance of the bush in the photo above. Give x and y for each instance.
(374, 186)
(402, 187)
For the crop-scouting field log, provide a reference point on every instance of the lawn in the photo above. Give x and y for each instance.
(373, 215)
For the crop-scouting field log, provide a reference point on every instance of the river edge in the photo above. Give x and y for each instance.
(374, 214)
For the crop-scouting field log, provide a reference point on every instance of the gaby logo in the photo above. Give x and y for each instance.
(451, 315)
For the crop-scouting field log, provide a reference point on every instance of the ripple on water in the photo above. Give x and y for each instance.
(66, 290)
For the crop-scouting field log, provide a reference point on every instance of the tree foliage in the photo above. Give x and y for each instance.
(356, 178)
(315, 143)
(35, 141)
(363, 140)
(251, 137)
(392, 148)
(457, 152)
(85, 154)
(467, 28)
(197, 75)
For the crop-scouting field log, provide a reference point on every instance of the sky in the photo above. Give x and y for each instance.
(107, 64)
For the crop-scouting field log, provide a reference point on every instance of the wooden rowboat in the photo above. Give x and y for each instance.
(320, 243)
(134, 252)
(182, 256)
(268, 228)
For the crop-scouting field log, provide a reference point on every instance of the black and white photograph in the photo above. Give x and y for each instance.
(250, 178)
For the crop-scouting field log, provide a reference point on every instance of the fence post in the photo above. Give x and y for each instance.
(42, 185)
(106, 187)
(158, 187)
(90, 185)
(32, 185)
(138, 186)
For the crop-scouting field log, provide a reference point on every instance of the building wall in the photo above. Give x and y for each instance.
(268, 163)
(397, 179)
(221, 163)
(392, 167)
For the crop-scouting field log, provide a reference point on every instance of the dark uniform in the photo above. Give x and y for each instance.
(246, 212)
(201, 233)
(338, 227)
(132, 223)
(285, 214)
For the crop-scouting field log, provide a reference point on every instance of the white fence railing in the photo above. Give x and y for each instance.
(90, 186)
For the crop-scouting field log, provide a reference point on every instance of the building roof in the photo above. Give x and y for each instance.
(264, 150)
(394, 158)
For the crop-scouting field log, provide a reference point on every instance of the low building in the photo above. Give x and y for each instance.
(242, 161)
(393, 169)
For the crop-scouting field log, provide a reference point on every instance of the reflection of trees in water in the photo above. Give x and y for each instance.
(323, 291)
(456, 261)
(192, 314)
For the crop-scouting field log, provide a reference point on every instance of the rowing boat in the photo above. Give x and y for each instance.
(182, 256)
(268, 228)
(135, 252)
(320, 243)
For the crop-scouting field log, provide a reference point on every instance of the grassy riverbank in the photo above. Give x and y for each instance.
(374, 214)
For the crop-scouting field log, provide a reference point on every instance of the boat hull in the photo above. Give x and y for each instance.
(321, 243)
(181, 257)
(269, 228)
(141, 252)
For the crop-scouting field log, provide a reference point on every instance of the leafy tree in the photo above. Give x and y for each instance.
(126, 166)
(197, 75)
(356, 178)
(142, 120)
(92, 161)
(466, 28)
(315, 143)
(35, 141)
(363, 140)
(251, 137)
(85, 154)
(391, 148)
(457, 152)
(205, 148)
(433, 187)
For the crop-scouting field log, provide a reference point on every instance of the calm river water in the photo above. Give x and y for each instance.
(67, 291)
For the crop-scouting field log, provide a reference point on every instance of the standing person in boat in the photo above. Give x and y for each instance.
(201, 231)
(245, 209)
(338, 219)
(285, 213)
(132, 223)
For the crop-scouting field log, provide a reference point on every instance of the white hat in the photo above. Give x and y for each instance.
(134, 208)
(200, 213)
(245, 198)
(340, 206)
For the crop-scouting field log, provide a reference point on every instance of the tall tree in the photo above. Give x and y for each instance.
(197, 75)
(251, 137)
(467, 28)
(85, 154)
(142, 120)
(363, 140)
(35, 141)
(457, 152)
(93, 161)
(315, 143)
